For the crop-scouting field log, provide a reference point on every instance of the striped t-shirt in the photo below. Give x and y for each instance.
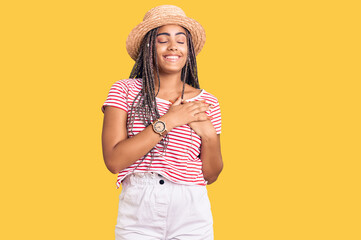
(180, 163)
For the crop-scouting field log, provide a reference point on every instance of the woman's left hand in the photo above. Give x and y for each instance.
(203, 128)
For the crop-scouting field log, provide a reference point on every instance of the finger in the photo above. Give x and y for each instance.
(204, 108)
(178, 101)
(205, 102)
(202, 117)
(196, 112)
(202, 103)
(199, 109)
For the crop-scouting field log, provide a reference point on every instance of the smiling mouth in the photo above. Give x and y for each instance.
(171, 58)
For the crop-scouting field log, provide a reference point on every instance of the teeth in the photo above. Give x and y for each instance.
(172, 57)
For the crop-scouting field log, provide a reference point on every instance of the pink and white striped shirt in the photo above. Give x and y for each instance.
(180, 163)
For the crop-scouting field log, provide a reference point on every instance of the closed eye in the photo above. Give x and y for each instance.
(178, 42)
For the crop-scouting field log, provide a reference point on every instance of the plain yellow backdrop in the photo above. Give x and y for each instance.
(286, 73)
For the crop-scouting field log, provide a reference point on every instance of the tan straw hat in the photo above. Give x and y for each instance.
(159, 16)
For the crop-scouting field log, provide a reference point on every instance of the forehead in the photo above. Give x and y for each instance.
(171, 28)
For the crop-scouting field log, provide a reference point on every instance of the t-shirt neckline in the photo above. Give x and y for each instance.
(200, 94)
(163, 100)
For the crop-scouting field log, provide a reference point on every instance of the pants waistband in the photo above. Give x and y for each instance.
(146, 178)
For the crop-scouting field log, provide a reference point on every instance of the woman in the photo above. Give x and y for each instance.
(161, 133)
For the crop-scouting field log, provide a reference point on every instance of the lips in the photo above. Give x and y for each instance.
(172, 58)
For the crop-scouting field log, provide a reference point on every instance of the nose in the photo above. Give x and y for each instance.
(173, 45)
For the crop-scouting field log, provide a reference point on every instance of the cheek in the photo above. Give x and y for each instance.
(185, 54)
(185, 51)
(185, 59)
(160, 50)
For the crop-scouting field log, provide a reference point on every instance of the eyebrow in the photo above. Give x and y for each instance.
(178, 33)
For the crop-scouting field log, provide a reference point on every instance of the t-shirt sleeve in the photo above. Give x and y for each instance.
(117, 96)
(216, 116)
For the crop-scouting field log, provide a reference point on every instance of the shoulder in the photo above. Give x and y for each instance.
(191, 92)
(133, 84)
(209, 97)
(201, 94)
(129, 82)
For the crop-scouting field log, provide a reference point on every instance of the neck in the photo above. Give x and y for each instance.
(168, 82)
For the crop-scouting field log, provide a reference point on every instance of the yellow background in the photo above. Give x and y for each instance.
(286, 73)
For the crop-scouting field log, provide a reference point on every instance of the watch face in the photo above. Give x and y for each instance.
(159, 126)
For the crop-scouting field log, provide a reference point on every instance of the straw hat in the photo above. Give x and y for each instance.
(159, 16)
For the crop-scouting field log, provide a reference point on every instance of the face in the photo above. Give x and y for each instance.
(171, 45)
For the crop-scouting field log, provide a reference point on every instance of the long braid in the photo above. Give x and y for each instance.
(144, 104)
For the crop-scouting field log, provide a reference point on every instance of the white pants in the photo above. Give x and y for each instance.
(154, 208)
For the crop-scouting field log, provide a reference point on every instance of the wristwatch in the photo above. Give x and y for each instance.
(159, 127)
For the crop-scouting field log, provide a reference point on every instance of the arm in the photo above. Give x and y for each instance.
(119, 151)
(211, 157)
(210, 154)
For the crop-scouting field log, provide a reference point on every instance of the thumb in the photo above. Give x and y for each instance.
(178, 101)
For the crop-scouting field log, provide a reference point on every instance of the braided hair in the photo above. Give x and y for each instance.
(144, 104)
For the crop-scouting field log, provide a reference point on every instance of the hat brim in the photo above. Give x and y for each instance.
(137, 34)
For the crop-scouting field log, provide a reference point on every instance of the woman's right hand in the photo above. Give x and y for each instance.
(181, 113)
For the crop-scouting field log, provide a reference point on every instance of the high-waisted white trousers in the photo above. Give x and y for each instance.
(154, 208)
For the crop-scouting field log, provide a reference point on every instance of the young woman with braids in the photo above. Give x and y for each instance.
(161, 133)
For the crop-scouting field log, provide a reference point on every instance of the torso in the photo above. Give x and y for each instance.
(181, 161)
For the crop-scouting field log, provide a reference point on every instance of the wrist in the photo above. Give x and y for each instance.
(168, 123)
(159, 127)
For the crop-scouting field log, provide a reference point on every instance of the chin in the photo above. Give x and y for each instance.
(171, 70)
